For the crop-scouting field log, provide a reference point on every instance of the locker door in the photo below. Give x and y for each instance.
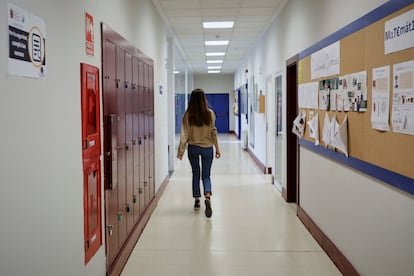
(146, 88)
(135, 135)
(141, 156)
(128, 142)
(120, 72)
(151, 156)
(110, 148)
(141, 85)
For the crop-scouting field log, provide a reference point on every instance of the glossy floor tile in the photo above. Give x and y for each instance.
(253, 231)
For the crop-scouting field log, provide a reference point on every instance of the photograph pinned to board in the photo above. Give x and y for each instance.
(327, 94)
(299, 124)
(354, 92)
(403, 98)
(380, 98)
(313, 124)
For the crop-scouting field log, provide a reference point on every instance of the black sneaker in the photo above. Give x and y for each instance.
(197, 205)
(208, 212)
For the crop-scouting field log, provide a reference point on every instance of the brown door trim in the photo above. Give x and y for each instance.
(292, 173)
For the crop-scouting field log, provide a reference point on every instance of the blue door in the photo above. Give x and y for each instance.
(220, 104)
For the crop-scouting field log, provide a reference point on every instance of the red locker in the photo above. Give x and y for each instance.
(91, 155)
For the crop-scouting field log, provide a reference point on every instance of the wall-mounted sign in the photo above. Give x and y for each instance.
(326, 62)
(89, 34)
(399, 33)
(27, 43)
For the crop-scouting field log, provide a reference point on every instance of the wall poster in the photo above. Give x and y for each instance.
(27, 43)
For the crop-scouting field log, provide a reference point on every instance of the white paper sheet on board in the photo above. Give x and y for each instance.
(326, 131)
(299, 125)
(403, 98)
(340, 139)
(380, 98)
(314, 128)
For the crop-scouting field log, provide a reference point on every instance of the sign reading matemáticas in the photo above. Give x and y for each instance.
(399, 33)
(27, 43)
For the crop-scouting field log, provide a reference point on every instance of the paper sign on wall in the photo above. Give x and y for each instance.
(399, 33)
(27, 43)
(90, 47)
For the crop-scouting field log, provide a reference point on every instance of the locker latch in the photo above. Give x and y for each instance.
(128, 208)
(120, 216)
(134, 199)
(110, 229)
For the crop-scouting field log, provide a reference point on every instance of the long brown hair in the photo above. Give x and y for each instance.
(198, 113)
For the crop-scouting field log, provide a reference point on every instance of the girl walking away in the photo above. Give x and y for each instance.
(198, 130)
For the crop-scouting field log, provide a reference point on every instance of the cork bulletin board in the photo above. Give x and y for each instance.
(364, 50)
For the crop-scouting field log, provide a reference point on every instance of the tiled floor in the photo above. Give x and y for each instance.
(252, 232)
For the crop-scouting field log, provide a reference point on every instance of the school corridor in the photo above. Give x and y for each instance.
(253, 231)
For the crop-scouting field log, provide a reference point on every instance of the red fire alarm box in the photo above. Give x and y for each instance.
(91, 159)
(91, 145)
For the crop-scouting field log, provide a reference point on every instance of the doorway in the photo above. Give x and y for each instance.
(220, 105)
(292, 172)
(278, 133)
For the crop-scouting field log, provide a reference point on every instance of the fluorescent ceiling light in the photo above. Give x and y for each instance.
(216, 42)
(213, 71)
(215, 54)
(213, 67)
(215, 61)
(176, 72)
(218, 24)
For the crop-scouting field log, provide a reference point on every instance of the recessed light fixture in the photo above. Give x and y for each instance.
(216, 42)
(176, 72)
(213, 67)
(218, 24)
(215, 54)
(213, 71)
(214, 61)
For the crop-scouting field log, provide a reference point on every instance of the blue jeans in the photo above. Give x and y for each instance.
(206, 154)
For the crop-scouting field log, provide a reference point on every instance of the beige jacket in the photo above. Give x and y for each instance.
(204, 136)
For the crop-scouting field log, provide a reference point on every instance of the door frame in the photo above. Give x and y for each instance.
(291, 193)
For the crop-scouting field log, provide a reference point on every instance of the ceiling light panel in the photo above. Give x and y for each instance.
(213, 67)
(216, 42)
(215, 54)
(214, 61)
(213, 71)
(218, 25)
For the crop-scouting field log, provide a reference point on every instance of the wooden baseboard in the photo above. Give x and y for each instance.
(118, 265)
(233, 133)
(327, 245)
(261, 166)
(284, 193)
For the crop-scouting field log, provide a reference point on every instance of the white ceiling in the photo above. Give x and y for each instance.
(184, 19)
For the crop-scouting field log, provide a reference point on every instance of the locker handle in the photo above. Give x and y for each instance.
(126, 146)
(128, 208)
(140, 190)
(134, 142)
(117, 81)
(126, 84)
(139, 140)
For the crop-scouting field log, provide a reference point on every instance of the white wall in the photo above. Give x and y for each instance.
(369, 221)
(41, 203)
